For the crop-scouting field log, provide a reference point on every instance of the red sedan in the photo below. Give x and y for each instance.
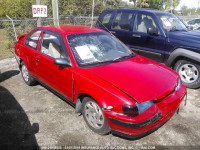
(116, 90)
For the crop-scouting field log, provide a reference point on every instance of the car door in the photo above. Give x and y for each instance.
(121, 26)
(57, 77)
(149, 45)
(31, 51)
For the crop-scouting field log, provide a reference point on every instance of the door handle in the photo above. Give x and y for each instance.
(37, 60)
(135, 35)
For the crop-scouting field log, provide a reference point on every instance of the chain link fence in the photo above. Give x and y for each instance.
(23, 26)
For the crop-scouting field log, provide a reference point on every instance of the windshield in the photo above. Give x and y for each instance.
(97, 48)
(171, 23)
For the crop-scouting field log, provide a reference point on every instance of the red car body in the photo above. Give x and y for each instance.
(137, 79)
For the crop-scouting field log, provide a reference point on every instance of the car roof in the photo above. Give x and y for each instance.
(71, 29)
(195, 19)
(151, 10)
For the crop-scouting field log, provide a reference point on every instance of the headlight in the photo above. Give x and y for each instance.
(179, 85)
(144, 106)
(136, 110)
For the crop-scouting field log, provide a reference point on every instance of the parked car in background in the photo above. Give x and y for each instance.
(189, 27)
(115, 89)
(195, 23)
(157, 35)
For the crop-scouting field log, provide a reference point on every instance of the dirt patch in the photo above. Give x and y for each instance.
(4, 51)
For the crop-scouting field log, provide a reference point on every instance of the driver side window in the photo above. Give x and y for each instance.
(51, 46)
(143, 22)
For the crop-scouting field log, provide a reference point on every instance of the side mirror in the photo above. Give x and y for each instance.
(62, 62)
(153, 31)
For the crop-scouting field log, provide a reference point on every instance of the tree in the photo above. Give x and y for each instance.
(168, 4)
(22, 8)
(143, 3)
(134, 2)
(184, 10)
(198, 11)
(16, 8)
(156, 4)
(77, 7)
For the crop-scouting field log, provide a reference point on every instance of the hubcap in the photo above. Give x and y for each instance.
(25, 73)
(188, 73)
(94, 115)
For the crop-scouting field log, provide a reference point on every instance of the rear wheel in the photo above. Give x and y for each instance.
(189, 73)
(28, 79)
(94, 116)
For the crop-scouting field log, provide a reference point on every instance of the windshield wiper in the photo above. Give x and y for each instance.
(123, 57)
(96, 62)
(109, 61)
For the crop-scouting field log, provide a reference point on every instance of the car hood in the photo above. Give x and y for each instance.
(188, 36)
(138, 77)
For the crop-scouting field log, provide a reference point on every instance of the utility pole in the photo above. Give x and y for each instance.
(39, 24)
(55, 12)
(198, 4)
(172, 6)
(92, 12)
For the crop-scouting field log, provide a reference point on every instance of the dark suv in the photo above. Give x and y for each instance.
(157, 35)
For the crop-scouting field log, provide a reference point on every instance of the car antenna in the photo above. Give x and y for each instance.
(105, 27)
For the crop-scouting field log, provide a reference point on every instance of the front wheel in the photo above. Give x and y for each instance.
(189, 73)
(28, 79)
(94, 116)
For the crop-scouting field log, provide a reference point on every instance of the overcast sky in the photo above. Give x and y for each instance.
(188, 3)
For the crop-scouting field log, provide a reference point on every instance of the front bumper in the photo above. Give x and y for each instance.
(148, 122)
(153, 119)
(157, 124)
(135, 137)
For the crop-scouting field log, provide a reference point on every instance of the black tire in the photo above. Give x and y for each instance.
(194, 69)
(104, 128)
(29, 80)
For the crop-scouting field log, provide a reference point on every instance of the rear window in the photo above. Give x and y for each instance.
(105, 20)
(32, 40)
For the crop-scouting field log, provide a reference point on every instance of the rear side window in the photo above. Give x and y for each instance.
(105, 20)
(122, 21)
(32, 40)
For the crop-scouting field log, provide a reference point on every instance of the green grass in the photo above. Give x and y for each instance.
(5, 52)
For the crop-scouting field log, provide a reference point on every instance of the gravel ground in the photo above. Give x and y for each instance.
(33, 116)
